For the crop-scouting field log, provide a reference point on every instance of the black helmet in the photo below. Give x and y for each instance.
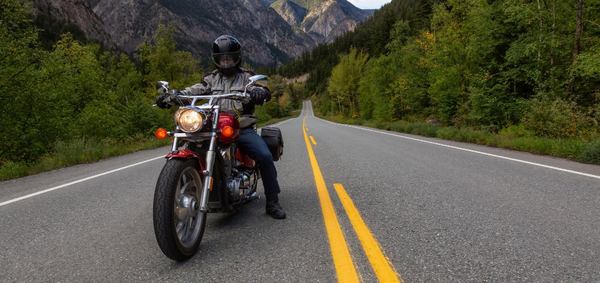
(227, 53)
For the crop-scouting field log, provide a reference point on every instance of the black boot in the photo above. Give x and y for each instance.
(274, 209)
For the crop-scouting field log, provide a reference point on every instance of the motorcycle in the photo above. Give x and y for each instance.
(205, 172)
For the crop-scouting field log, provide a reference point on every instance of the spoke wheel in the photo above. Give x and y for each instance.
(187, 205)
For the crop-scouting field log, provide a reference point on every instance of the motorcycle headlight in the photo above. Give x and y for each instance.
(189, 120)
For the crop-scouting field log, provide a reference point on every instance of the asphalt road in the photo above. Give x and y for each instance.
(437, 210)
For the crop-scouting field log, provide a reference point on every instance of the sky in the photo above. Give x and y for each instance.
(369, 4)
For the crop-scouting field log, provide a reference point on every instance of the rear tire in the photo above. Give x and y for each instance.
(178, 223)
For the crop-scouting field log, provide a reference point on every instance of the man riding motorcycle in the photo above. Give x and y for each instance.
(227, 78)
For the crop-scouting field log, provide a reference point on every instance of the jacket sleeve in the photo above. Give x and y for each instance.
(201, 88)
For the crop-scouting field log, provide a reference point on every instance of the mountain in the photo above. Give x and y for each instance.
(273, 32)
(75, 16)
(309, 4)
(333, 18)
(290, 11)
(267, 2)
(323, 20)
(263, 32)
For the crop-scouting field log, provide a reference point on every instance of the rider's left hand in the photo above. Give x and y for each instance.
(260, 95)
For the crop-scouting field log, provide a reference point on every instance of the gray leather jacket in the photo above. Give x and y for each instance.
(217, 83)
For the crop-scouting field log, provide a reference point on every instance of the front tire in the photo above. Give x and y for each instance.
(178, 223)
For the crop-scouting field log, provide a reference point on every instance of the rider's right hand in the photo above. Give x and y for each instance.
(164, 100)
(172, 98)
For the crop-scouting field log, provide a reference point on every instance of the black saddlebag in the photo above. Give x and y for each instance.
(274, 140)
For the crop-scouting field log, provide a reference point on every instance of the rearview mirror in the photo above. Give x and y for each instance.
(256, 78)
(253, 80)
(162, 86)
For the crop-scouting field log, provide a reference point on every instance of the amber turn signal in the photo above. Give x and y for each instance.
(227, 132)
(161, 133)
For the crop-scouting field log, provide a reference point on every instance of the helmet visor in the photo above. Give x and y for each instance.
(226, 60)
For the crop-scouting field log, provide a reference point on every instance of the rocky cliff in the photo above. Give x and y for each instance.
(55, 15)
(291, 12)
(323, 20)
(333, 18)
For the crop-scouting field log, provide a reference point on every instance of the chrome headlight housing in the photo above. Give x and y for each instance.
(188, 120)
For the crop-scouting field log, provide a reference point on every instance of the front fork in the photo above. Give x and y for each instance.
(210, 162)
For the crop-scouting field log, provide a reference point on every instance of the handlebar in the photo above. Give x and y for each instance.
(217, 96)
(213, 99)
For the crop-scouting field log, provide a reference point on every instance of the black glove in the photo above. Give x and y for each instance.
(169, 99)
(259, 95)
(164, 100)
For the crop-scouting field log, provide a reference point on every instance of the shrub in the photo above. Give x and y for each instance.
(10, 170)
(99, 120)
(556, 118)
(591, 153)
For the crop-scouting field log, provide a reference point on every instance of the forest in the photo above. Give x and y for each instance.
(66, 100)
(498, 69)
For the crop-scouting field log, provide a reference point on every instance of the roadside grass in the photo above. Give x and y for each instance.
(78, 151)
(82, 151)
(510, 138)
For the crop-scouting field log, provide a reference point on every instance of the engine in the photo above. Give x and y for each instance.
(241, 183)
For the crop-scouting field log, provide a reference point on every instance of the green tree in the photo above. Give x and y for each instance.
(343, 85)
(18, 47)
(464, 43)
(374, 89)
(161, 60)
(19, 59)
(410, 94)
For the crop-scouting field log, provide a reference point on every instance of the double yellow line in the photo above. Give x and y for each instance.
(342, 259)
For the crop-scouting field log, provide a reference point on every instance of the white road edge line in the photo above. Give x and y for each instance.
(468, 150)
(77, 181)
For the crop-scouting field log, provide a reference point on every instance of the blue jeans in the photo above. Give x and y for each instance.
(253, 145)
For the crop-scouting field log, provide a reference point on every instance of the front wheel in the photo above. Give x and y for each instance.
(178, 222)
